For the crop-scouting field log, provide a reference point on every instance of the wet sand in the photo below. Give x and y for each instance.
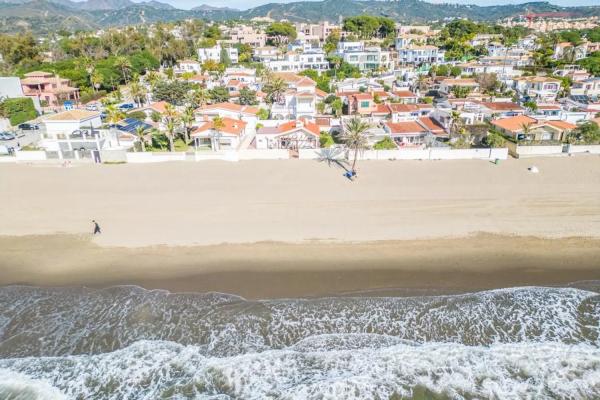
(275, 270)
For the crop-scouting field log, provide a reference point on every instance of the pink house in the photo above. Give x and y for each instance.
(49, 89)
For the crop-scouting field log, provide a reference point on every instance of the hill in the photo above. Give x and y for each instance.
(47, 15)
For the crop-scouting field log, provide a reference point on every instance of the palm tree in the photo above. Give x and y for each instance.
(455, 122)
(171, 118)
(140, 131)
(355, 138)
(187, 118)
(124, 65)
(114, 115)
(97, 79)
(137, 92)
(274, 89)
(218, 125)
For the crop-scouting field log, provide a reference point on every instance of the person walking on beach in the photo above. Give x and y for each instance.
(96, 228)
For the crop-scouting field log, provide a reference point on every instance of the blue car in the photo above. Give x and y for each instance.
(127, 106)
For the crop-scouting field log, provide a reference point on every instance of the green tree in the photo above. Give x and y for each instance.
(275, 87)
(218, 124)
(187, 119)
(140, 132)
(587, 133)
(280, 33)
(247, 97)
(224, 57)
(174, 92)
(219, 94)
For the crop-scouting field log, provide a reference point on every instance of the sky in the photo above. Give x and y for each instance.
(245, 4)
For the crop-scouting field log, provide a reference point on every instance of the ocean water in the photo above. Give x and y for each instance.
(131, 343)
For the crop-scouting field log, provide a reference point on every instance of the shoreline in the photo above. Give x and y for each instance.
(285, 270)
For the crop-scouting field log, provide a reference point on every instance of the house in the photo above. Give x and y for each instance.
(227, 137)
(541, 88)
(248, 35)
(248, 114)
(500, 109)
(588, 87)
(361, 103)
(526, 128)
(265, 53)
(404, 112)
(50, 90)
(425, 54)
(364, 58)
(446, 85)
(314, 59)
(189, 66)
(74, 133)
(292, 135)
(214, 54)
(406, 133)
(405, 97)
(299, 101)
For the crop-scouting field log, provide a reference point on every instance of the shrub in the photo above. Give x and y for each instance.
(326, 140)
(385, 144)
(137, 115)
(18, 110)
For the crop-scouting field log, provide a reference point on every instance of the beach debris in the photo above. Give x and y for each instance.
(533, 169)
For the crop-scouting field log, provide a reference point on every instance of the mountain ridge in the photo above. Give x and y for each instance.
(17, 15)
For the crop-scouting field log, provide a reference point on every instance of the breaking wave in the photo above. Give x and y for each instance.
(131, 343)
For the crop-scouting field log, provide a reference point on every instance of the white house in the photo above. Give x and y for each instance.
(425, 54)
(541, 88)
(214, 53)
(365, 58)
(247, 114)
(299, 101)
(188, 66)
(292, 135)
(227, 137)
(314, 59)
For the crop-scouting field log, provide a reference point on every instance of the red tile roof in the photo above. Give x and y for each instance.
(230, 107)
(231, 126)
(403, 128)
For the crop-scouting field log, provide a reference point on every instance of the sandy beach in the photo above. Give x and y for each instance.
(292, 228)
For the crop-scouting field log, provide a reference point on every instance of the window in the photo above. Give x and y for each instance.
(365, 104)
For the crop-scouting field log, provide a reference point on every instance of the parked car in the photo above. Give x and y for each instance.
(6, 136)
(29, 127)
(127, 106)
(4, 151)
(92, 107)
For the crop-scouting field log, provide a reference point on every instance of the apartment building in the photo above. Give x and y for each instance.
(214, 53)
(295, 62)
(49, 89)
(425, 54)
(364, 58)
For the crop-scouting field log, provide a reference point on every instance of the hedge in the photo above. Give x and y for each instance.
(18, 110)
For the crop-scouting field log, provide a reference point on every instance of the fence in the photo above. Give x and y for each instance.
(332, 153)
(434, 154)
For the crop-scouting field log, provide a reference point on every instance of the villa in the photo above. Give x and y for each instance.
(523, 127)
(293, 135)
(49, 89)
(227, 137)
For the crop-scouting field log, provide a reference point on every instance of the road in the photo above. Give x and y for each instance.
(23, 138)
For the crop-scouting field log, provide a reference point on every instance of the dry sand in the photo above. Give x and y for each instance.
(290, 201)
(403, 224)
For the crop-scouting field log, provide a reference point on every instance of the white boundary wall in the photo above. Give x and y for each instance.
(147, 157)
(30, 155)
(434, 154)
(331, 153)
(272, 154)
(533, 151)
(585, 148)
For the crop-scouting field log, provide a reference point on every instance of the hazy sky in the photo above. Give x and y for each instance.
(244, 4)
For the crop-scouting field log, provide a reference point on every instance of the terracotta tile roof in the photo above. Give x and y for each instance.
(548, 107)
(292, 126)
(404, 128)
(231, 126)
(321, 93)
(431, 124)
(382, 109)
(306, 81)
(404, 94)
(159, 106)
(514, 124)
(460, 82)
(73, 115)
(230, 107)
(564, 125)
(502, 106)
(403, 108)
(363, 96)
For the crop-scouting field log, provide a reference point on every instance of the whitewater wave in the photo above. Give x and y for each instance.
(383, 370)
(55, 322)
